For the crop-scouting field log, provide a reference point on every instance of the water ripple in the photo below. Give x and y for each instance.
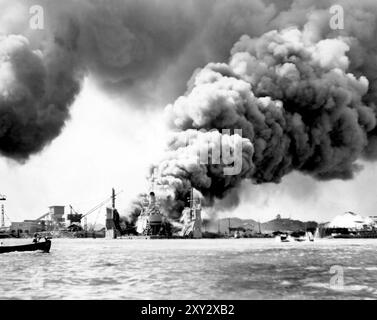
(184, 269)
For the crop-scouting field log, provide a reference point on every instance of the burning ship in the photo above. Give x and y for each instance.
(153, 222)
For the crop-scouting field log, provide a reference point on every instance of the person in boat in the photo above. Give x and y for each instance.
(36, 238)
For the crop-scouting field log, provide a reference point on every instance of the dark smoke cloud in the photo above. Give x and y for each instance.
(137, 47)
(132, 48)
(36, 90)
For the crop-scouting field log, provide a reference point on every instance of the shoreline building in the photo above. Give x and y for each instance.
(373, 218)
(51, 221)
(350, 222)
(27, 227)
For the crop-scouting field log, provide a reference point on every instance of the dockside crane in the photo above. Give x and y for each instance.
(78, 217)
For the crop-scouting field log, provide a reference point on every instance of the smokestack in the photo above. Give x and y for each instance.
(192, 206)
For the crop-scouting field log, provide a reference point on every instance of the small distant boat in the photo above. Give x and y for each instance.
(39, 246)
(295, 236)
(310, 236)
(301, 236)
(237, 235)
(284, 238)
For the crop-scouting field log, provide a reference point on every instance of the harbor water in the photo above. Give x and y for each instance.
(192, 269)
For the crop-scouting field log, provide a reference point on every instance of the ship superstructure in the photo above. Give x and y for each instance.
(152, 221)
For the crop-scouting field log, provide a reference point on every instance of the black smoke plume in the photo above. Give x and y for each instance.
(304, 98)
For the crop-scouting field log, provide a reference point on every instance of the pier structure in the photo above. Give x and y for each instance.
(192, 219)
(195, 210)
(112, 219)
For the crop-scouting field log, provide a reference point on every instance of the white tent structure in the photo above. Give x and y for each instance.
(350, 220)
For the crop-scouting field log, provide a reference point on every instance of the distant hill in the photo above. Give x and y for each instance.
(287, 225)
(222, 225)
(280, 224)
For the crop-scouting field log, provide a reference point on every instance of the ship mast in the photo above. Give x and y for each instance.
(191, 200)
(113, 198)
(195, 215)
(153, 179)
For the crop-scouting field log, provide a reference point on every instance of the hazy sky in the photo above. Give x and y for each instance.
(106, 144)
(301, 197)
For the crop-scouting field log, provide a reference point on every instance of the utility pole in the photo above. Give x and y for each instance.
(2, 198)
(2, 217)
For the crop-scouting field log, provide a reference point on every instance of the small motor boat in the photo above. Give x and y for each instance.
(284, 238)
(39, 246)
(237, 235)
